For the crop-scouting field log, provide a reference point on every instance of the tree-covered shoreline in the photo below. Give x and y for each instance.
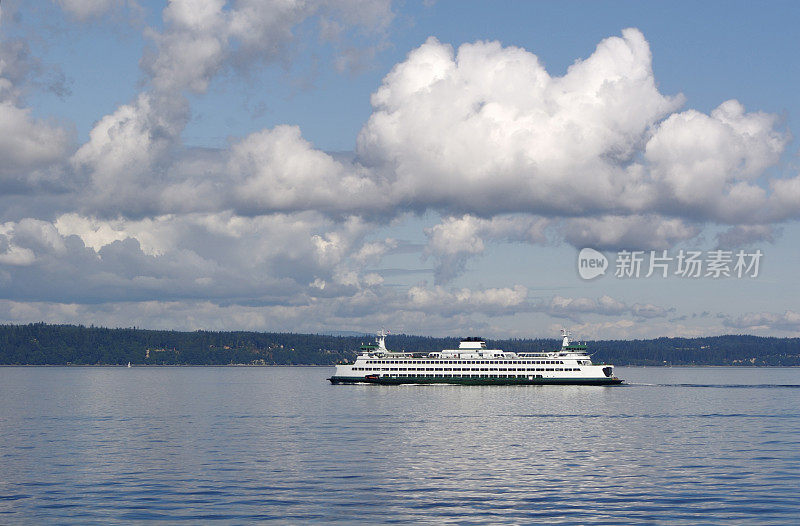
(47, 344)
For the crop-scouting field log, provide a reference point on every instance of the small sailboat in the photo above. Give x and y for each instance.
(129, 364)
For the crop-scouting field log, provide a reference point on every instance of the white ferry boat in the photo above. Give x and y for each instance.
(473, 364)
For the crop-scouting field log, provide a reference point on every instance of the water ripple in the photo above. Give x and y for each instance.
(245, 445)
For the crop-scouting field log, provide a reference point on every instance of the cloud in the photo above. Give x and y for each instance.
(488, 130)
(491, 302)
(576, 309)
(16, 66)
(204, 38)
(273, 230)
(770, 322)
(745, 235)
(32, 150)
(269, 259)
(277, 170)
(202, 314)
(784, 200)
(137, 165)
(705, 164)
(485, 132)
(613, 232)
(627, 329)
(200, 38)
(455, 239)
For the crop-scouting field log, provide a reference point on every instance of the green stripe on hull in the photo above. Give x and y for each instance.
(473, 381)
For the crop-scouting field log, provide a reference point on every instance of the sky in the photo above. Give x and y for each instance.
(431, 167)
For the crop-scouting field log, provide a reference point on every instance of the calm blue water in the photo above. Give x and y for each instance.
(239, 445)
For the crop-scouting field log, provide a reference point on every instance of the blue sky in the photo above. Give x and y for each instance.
(430, 167)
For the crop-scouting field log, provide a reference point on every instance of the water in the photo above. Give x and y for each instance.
(240, 445)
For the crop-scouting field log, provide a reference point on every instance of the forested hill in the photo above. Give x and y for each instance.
(43, 344)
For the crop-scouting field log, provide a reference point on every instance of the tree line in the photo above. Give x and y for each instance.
(47, 344)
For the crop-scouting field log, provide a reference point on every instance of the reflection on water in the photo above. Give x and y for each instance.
(710, 445)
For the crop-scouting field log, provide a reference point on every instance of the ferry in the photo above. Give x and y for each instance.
(474, 364)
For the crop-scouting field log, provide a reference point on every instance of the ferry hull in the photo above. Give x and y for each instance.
(473, 381)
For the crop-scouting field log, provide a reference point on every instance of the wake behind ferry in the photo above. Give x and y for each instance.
(473, 364)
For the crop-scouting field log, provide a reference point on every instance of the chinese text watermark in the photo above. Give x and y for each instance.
(683, 264)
